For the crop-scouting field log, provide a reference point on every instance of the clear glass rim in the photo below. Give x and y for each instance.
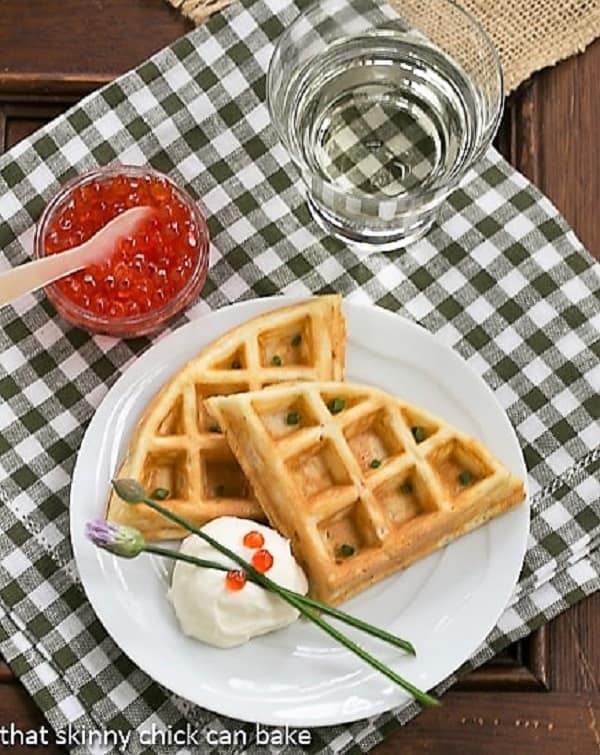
(429, 194)
(68, 308)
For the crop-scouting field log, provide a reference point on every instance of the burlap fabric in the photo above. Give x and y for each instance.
(530, 34)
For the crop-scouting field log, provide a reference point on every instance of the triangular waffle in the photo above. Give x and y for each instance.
(179, 447)
(362, 483)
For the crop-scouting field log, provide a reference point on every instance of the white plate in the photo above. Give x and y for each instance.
(446, 604)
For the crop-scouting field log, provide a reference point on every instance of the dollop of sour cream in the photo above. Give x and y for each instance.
(209, 611)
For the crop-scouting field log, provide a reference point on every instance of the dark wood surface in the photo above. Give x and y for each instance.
(543, 694)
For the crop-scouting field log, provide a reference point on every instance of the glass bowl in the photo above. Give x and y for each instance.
(152, 275)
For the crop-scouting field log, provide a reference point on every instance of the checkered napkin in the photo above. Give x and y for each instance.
(501, 279)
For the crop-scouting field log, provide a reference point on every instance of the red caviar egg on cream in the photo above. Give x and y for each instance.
(262, 560)
(253, 539)
(235, 580)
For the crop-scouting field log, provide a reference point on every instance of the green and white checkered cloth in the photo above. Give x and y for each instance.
(501, 278)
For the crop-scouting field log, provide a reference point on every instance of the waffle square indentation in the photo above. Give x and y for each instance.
(206, 390)
(234, 360)
(223, 478)
(372, 441)
(348, 532)
(289, 345)
(173, 421)
(283, 416)
(318, 468)
(404, 497)
(167, 470)
(458, 467)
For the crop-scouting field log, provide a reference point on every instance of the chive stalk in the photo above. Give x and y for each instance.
(132, 492)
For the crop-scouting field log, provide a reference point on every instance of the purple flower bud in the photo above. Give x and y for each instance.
(115, 538)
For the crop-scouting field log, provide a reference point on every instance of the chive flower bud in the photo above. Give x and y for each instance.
(129, 490)
(115, 538)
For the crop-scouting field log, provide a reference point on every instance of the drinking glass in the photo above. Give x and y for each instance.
(383, 110)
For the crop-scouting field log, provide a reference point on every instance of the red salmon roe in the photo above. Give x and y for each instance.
(262, 560)
(148, 268)
(253, 539)
(235, 580)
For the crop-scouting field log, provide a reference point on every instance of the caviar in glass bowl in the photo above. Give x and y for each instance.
(152, 274)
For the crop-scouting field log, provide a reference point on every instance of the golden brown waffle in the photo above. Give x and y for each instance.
(178, 446)
(362, 483)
